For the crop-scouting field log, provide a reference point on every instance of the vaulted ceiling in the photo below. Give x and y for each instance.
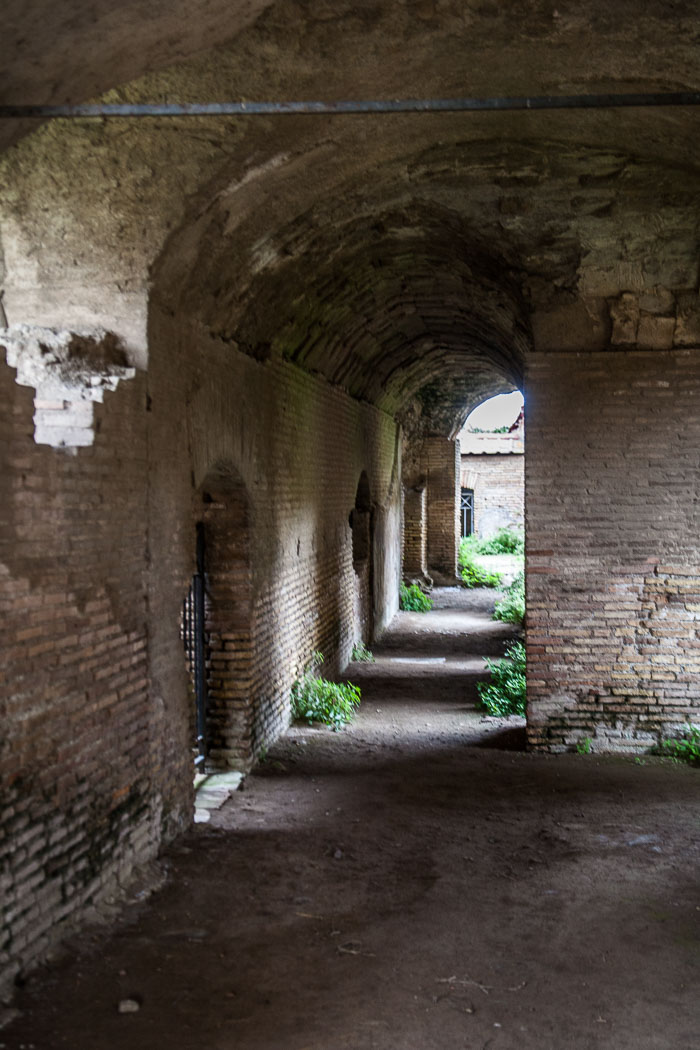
(411, 259)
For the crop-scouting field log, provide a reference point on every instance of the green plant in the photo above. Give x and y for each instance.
(361, 654)
(504, 694)
(413, 599)
(315, 699)
(511, 607)
(584, 746)
(472, 574)
(685, 748)
(505, 541)
(470, 542)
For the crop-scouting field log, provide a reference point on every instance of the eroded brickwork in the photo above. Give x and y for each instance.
(85, 794)
(225, 519)
(613, 571)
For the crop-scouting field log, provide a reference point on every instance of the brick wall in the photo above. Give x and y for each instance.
(84, 793)
(299, 448)
(98, 548)
(440, 461)
(498, 483)
(415, 532)
(613, 563)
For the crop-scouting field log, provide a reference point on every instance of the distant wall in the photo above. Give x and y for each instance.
(97, 548)
(498, 482)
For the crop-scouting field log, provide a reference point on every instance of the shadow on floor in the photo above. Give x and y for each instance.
(405, 885)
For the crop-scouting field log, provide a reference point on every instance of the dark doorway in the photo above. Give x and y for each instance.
(362, 524)
(466, 510)
(194, 636)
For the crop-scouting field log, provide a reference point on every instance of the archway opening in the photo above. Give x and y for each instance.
(492, 447)
(492, 543)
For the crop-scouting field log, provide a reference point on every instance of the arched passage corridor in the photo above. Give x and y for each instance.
(306, 300)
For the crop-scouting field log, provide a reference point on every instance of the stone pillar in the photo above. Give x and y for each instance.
(441, 464)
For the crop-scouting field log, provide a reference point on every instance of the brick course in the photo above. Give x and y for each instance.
(301, 488)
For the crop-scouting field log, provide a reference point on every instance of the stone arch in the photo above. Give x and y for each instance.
(492, 467)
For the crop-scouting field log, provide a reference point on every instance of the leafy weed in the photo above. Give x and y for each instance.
(315, 699)
(505, 694)
(413, 599)
(361, 654)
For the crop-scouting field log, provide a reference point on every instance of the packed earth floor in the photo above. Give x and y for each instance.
(417, 881)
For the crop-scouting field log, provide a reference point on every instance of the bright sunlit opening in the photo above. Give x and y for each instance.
(499, 411)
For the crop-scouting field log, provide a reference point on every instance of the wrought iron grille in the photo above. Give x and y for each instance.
(195, 642)
(467, 511)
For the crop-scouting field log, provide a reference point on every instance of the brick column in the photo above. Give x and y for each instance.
(415, 532)
(441, 464)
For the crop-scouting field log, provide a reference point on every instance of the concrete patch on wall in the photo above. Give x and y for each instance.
(69, 372)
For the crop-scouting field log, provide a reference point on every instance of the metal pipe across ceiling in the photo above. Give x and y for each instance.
(371, 106)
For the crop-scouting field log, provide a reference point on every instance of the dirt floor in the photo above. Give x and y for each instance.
(415, 882)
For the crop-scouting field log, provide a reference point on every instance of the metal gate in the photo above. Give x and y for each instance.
(195, 642)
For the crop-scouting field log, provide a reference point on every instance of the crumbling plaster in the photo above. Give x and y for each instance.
(69, 372)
